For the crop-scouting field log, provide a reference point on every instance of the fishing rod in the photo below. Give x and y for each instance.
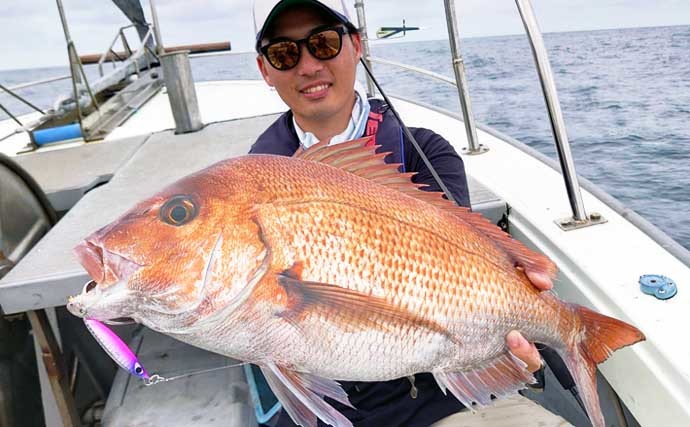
(407, 132)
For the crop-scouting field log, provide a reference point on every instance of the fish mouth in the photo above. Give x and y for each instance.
(106, 297)
(120, 321)
(104, 266)
(96, 304)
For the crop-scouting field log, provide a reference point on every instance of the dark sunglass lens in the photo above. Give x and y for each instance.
(325, 45)
(283, 55)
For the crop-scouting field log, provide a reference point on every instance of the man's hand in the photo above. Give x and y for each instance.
(524, 351)
(517, 344)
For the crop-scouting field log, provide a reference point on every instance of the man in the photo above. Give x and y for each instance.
(309, 51)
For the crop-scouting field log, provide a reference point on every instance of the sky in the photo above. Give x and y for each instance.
(31, 35)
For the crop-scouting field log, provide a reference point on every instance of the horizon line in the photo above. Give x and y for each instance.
(394, 41)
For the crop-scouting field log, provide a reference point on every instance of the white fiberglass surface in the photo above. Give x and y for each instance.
(12, 138)
(218, 101)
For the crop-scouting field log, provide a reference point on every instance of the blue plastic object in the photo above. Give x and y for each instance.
(266, 404)
(657, 285)
(60, 133)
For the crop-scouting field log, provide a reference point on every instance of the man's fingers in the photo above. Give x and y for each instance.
(540, 280)
(523, 350)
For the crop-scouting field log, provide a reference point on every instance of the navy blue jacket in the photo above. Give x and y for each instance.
(389, 403)
(281, 138)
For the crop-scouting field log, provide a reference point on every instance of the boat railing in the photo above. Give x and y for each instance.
(11, 92)
(132, 64)
(422, 71)
(110, 55)
(579, 217)
(23, 127)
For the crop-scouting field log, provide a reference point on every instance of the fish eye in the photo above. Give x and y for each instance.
(179, 210)
(138, 369)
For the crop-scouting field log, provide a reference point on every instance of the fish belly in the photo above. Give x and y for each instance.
(450, 278)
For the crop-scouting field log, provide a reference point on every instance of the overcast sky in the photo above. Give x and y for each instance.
(31, 34)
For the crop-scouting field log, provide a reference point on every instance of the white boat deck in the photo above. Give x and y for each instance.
(216, 395)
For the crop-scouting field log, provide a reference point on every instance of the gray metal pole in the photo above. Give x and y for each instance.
(75, 76)
(156, 30)
(459, 68)
(361, 19)
(181, 92)
(555, 116)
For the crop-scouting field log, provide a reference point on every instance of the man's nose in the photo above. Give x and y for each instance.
(308, 64)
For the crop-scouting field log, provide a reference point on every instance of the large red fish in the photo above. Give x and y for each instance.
(332, 265)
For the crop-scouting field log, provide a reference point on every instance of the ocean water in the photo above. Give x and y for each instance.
(625, 96)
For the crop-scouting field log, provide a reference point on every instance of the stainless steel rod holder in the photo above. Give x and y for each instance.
(362, 21)
(459, 68)
(181, 92)
(555, 116)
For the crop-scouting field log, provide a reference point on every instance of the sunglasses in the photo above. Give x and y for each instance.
(284, 53)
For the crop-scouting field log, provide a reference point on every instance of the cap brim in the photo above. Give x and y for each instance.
(283, 5)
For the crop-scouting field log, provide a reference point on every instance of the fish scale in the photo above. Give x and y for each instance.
(319, 273)
(334, 256)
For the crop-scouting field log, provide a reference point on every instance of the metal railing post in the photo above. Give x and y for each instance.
(125, 43)
(459, 68)
(556, 118)
(68, 39)
(362, 21)
(156, 29)
(76, 69)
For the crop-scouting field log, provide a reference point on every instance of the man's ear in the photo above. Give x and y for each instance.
(262, 68)
(357, 44)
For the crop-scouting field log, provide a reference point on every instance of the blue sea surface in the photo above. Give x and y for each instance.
(625, 96)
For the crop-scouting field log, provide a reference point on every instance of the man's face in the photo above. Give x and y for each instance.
(314, 89)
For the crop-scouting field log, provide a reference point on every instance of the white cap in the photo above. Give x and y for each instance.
(265, 10)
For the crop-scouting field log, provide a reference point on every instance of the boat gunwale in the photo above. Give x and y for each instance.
(650, 230)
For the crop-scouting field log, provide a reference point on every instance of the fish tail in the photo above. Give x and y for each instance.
(600, 337)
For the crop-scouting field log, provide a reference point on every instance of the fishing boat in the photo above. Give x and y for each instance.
(115, 141)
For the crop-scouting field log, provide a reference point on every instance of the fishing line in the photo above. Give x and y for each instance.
(155, 378)
(414, 142)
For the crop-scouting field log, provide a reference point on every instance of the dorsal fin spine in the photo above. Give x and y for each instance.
(355, 157)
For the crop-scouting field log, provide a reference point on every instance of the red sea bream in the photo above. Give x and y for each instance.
(331, 265)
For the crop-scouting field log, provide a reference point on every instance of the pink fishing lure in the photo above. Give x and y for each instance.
(116, 348)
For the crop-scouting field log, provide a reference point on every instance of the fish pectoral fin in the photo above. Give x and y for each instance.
(353, 309)
(500, 377)
(302, 396)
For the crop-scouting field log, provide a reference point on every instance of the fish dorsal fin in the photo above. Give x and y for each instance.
(361, 159)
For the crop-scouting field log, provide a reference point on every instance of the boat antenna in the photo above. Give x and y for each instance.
(409, 135)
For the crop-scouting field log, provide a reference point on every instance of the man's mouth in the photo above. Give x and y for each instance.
(316, 91)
